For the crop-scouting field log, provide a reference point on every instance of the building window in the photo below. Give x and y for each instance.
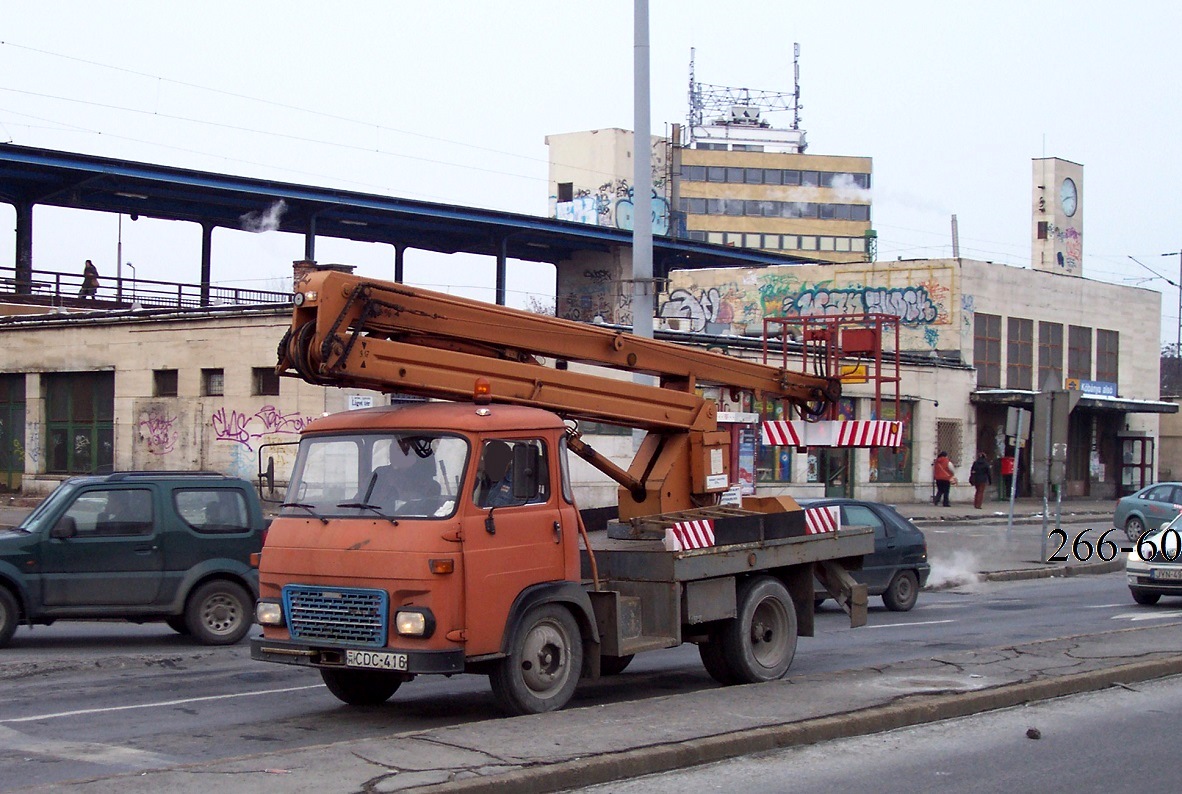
(791, 177)
(80, 426)
(843, 243)
(1050, 354)
(948, 437)
(888, 464)
(1107, 355)
(1079, 352)
(213, 383)
(734, 176)
(566, 191)
(827, 244)
(264, 381)
(773, 176)
(987, 350)
(715, 173)
(1020, 353)
(164, 383)
(773, 463)
(858, 244)
(693, 173)
(808, 242)
(753, 176)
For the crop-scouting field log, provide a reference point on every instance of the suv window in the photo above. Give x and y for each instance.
(123, 511)
(212, 509)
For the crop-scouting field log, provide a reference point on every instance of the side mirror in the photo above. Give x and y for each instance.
(526, 461)
(65, 527)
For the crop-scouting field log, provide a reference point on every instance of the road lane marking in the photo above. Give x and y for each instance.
(900, 625)
(1137, 616)
(1105, 606)
(161, 704)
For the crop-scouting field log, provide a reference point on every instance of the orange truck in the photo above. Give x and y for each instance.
(443, 536)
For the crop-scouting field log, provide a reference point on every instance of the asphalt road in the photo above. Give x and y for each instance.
(97, 699)
(1116, 740)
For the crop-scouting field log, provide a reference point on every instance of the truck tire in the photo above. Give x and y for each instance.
(544, 662)
(758, 645)
(219, 613)
(10, 615)
(714, 662)
(614, 665)
(361, 687)
(902, 593)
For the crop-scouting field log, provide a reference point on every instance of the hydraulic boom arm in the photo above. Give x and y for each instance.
(351, 331)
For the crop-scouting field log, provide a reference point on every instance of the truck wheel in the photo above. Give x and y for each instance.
(219, 613)
(714, 661)
(1140, 596)
(902, 592)
(758, 645)
(361, 687)
(178, 624)
(10, 614)
(614, 665)
(542, 668)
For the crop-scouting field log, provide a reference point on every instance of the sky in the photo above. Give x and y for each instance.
(451, 101)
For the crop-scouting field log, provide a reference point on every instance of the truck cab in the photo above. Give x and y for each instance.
(434, 528)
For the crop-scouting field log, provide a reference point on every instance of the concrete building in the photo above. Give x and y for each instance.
(747, 188)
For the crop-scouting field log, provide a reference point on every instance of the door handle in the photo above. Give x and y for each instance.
(557, 531)
(145, 549)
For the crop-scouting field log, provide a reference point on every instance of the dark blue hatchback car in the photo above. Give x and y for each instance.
(898, 568)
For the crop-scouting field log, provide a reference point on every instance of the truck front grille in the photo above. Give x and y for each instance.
(336, 614)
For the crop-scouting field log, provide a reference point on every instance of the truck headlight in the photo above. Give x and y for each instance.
(269, 613)
(415, 622)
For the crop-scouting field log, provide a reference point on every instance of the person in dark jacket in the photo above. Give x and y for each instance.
(980, 476)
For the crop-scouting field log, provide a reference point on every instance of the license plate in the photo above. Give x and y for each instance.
(1166, 573)
(376, 660)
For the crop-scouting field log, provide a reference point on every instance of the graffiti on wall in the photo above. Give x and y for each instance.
(611, 204)
(720, 301)
(158, 431)
(245, 429)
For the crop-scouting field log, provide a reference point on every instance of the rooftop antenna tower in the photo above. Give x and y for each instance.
(740, 107)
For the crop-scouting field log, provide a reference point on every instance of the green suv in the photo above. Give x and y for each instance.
(144, 546)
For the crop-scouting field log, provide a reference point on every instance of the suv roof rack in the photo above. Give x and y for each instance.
(126, 475)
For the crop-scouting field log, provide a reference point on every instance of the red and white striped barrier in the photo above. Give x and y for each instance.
(833, 433)
(822, 519)
(689, 535)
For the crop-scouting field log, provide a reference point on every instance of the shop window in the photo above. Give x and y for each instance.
(1079, 352)
(164, 383)
(1020, 353)
(987, 350)
(889, 464)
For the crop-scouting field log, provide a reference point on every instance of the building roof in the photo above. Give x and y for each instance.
(34, 176)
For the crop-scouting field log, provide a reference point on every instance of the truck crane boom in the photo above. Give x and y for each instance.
(353, 331)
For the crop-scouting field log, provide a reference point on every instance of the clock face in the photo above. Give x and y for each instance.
(1068, 197)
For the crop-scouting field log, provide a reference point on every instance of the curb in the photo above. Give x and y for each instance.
(1082, 569)
(907, 711)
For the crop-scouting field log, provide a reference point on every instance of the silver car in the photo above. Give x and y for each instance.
(1154, 566)
(1148, 508)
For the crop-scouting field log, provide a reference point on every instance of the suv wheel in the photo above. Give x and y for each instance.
(219, 613)
(10, 614)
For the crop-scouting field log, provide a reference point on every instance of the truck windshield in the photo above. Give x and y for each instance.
(377, 475)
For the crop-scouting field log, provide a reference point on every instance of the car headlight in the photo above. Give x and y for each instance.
(416, 622)
(269, 613)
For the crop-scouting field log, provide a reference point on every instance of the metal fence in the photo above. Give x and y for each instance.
(47, 287)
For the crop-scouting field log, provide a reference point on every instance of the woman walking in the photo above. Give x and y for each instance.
(980, 476)
(944, 474)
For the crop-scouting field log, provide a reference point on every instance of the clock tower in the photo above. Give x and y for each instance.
(1057, 244)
